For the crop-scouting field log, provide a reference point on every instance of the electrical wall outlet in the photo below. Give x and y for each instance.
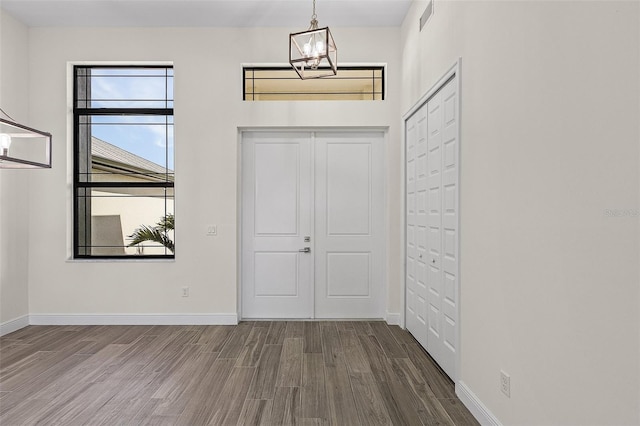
(185, 291)
(505, 383)
(212, 230)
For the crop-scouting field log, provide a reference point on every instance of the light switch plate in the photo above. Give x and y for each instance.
(505, 383)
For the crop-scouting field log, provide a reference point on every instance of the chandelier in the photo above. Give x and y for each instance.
(313, 53)
(22, 147)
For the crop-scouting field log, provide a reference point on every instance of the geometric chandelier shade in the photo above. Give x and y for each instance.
(22, 147)
(313, 53)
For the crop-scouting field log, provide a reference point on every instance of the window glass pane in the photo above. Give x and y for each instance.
(129, 146)
(249, 88)
(126, 88)
(132, 144)
(112, 215)
(354, 83)
(377, 89)
(312, 97)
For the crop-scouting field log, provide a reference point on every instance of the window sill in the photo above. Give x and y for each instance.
(123, 260)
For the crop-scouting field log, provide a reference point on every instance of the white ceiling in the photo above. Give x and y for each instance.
(207, 13)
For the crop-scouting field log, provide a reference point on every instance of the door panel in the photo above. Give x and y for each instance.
(421, 218)
(417, 201)
(411, 136)
(348, 274)
(276, 274)
(349, 225)
(348, 176)
(276, 188)
(276, 277)
(450, 215)
(432, 226)
(434, 183)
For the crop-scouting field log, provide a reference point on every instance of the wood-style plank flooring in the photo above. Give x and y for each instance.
(255, 373)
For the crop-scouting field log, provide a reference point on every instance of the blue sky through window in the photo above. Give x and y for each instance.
(147, 136)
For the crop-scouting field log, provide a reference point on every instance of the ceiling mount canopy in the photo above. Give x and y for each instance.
(313, 53)
(22, 147)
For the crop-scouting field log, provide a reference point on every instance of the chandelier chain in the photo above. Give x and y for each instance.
(314, 20)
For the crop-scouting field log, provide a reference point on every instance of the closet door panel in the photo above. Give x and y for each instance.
(450, 227)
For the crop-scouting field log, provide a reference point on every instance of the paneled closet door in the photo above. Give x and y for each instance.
(432, 226)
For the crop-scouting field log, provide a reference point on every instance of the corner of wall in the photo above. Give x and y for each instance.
(14, 325)
(14, 184)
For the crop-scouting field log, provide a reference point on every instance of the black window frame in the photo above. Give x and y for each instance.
(372, 68)
(79, 184)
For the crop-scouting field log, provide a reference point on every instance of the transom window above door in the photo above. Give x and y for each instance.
(352, 83)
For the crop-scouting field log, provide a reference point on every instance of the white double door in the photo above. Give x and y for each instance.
(432, 226)
(312, 224)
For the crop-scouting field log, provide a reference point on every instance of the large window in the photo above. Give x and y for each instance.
(123, 162)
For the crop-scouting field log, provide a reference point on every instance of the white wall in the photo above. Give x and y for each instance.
(14, 184)
(208, 112)
(549, 142)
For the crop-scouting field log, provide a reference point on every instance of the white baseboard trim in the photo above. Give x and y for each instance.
(133, 319)
(14, 325)
(393, 319)
(482, 414)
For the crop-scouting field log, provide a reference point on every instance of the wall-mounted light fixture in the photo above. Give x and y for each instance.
(313, 53)
(22, 147)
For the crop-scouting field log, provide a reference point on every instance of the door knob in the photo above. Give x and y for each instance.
(305, 250)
